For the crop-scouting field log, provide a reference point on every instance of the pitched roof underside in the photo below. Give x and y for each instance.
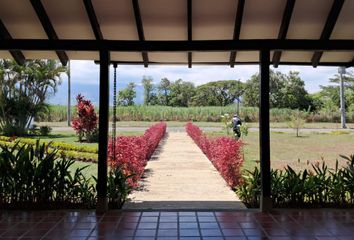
(185, 20)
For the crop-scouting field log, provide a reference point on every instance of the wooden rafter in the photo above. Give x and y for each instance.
(328, 28)
(16, 54)
(93, 19)
(237, 29)
(288, 11)
(189, 27)
(48, 28)
(178, 46)
(140, 29)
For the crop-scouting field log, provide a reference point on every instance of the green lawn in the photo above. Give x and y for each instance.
(287, 149)
(321, 125)
(90, 171)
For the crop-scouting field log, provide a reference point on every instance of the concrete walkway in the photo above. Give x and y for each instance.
(179, 176)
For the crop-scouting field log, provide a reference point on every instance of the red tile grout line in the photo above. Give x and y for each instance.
(198, 223)
(96, 224)
(137, 226)
(61, 220)
(217, 221)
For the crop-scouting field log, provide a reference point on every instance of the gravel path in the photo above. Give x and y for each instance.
(179, 176)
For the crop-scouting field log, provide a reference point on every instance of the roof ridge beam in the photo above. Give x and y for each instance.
(328, 28)
(93, 19)
(178, 45)
(16, 54)
(48, 28)
(283, 31)
(189, 29)
(237, 28)
(140, 29)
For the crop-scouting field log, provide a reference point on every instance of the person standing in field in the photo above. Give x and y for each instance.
(236, 126)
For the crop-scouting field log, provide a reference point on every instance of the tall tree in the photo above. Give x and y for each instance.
(285, 91)
(148, 90)
(164, 91)
(329, 95)
(24, 90)
(127, 95)
(295, 95)
(219, 93)
(180, 93)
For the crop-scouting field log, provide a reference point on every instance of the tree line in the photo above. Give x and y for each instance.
(286, 91)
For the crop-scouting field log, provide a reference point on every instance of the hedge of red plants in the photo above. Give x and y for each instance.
(223, 152)
(133, 152)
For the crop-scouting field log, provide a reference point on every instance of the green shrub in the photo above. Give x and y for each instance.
(58, 145)
(30, 176)
(45, 130)
(318, 187)
(118, 187)
(34, 176)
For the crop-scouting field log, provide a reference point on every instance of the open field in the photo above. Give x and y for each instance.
(287, 149)
(199, 114)
(320, 125)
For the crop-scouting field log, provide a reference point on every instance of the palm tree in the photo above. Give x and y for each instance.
(24, 90)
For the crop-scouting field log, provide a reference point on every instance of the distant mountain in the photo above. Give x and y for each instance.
(91, 92)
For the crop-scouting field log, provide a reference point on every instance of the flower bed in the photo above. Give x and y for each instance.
(133, 152)
(223, 152)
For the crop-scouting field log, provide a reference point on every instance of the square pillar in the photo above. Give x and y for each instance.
(102, 200)
(264, 135)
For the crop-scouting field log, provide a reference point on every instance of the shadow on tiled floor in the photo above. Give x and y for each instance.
(282, 224)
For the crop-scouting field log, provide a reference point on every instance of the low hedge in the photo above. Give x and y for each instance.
(223, 152)
(57, 145)
(78, 156)
(131, 153)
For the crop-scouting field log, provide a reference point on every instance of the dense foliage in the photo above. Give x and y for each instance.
(126, 96)
(318, 187)
(219, 93)
(286, 91)
(32, 176)
(24, 90)
(223, 152)
(131, 153)
(85, 123)
(36, 176)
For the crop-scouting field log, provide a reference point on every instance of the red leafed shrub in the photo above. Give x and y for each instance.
(223, 152)
(132, 152)
(85, 124)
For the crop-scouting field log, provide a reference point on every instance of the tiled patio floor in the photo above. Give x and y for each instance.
(292, 224)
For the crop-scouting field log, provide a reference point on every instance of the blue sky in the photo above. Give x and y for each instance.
(85, 75)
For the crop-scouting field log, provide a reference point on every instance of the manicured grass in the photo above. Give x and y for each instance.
(139, 124)
(90, 171)
(319, 125)
(287, 149)
(69, 137)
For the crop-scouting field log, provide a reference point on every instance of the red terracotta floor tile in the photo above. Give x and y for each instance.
(278, 225)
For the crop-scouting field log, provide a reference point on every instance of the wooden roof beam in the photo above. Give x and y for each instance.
(16, 54)
(288, 11)
(189, 27)
(139, 26)
(237, 29)
(48, 28)
(328, 28)
(93, 19)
